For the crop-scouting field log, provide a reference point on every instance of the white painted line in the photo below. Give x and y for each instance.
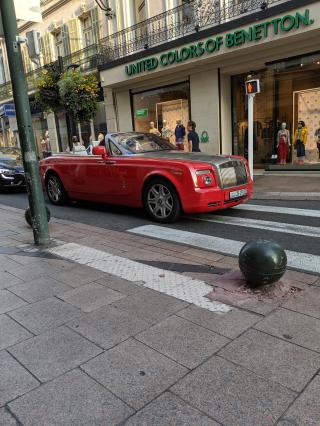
(276, 209)
(167, 282)
(303, 261)
(288, 228)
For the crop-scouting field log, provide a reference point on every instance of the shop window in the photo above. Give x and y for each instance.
(164, 105)
(288, 95)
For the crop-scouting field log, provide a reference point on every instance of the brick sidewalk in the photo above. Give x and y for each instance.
(79, 346)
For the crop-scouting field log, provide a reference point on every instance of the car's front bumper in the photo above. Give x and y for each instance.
(210, 199)
(16, 180)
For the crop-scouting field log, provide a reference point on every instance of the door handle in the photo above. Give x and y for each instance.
(107, 162)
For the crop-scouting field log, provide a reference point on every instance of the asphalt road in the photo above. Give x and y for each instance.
(284, 228)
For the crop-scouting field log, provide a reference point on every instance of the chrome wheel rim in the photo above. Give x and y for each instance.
(160, 201)
(54, 189)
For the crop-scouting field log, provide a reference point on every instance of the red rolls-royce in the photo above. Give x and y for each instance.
(144, 170)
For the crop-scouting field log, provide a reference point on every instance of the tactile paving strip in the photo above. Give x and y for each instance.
(163, 281)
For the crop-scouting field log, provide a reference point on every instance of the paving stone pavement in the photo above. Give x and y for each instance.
(82, 347)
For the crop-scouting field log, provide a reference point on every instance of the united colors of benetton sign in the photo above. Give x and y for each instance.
(231, 40)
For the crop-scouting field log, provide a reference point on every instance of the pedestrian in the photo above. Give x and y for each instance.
(101, 139)
(193, 137)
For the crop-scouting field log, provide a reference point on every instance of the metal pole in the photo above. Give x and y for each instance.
(27, 141)
(250, 133)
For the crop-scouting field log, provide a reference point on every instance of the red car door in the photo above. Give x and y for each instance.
(96, 179)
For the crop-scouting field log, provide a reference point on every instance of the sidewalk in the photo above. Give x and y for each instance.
(81, 346)
(291, 186)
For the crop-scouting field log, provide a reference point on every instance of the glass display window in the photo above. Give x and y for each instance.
(289, 93)
(161, 105)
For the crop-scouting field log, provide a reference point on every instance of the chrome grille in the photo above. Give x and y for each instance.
(233, 173)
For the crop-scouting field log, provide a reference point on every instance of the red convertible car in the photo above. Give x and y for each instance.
(144, 170)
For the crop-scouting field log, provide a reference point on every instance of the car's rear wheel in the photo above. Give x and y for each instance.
(55, 190)
(161, 201)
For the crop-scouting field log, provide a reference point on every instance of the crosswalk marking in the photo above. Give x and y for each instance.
(288, 228)
(302, 261)
(277, 209)
(171, 283)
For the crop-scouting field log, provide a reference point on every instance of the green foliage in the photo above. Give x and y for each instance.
(79, 94)
(47, 94)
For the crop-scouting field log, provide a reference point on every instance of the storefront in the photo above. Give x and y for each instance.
(203, 80)
(290, 93)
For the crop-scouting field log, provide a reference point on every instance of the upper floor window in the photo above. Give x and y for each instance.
(87, 31)
(59, 44)
(90, 28)
(141, 10)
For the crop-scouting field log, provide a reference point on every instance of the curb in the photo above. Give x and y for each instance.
(288, 196)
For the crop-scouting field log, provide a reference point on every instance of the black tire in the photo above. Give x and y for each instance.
(55, 190)
(167, 207)
(27, 215)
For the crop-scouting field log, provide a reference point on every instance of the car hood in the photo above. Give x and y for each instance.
(189, 156)
(9, 166)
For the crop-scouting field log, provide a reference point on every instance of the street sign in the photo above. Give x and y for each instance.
(8, 110)
(252, 87)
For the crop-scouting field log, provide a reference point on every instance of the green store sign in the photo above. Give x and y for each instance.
(143, 112)
(230, 40)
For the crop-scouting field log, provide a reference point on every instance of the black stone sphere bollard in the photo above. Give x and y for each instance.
(28, 218)
(262, 262)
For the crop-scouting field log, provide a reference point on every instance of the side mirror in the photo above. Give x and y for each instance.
(99, 150)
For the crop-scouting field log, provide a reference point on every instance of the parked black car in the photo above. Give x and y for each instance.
(11, 173)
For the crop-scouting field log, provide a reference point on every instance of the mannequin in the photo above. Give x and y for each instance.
(166, 132)
(300, 141)
(317, 135)
(180, 133)
(283, 142)
(153, 129)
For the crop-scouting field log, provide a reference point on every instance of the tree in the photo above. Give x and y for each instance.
(79, 95)
(72, 91)
(47, 94)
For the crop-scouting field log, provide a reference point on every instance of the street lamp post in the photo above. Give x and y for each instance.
(24, 121)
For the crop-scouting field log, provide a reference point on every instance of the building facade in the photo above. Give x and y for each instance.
(191, 62)
(73, 30)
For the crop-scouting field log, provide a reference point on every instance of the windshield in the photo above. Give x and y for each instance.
(9, 162)
(138, 143)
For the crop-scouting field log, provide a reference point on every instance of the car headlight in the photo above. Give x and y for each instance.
(205, 178)
(6, 172)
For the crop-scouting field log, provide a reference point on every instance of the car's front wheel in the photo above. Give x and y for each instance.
(161, 201)
(55, 190)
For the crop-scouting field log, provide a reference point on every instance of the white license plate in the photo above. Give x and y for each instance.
(238, 194)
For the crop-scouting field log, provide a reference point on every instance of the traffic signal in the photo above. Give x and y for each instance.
(252, 87)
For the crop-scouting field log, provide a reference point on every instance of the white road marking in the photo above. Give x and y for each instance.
(288, 228)
(302, 261)
(276, 209)
(177, 285)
